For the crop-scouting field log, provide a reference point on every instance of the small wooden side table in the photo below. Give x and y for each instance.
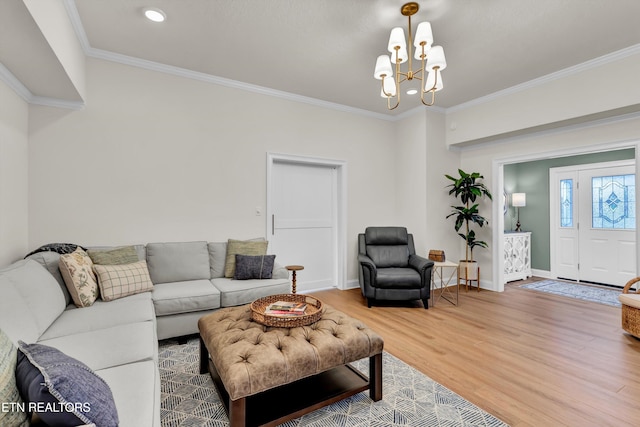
(293, 269)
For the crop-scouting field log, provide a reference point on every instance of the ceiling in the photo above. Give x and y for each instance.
(326, 49)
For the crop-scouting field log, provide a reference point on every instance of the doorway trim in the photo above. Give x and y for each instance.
(497, 169)
(340, 261)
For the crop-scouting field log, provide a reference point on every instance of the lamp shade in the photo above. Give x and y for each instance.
(383, 66)
(431, 80)
(436, 58)
(518, 200)
(397, 39)
(389, 85)
(423, 34)
(401, 55)
(418, 53)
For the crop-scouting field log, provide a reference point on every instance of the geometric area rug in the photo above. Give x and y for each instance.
(410, 398)
(578, 291)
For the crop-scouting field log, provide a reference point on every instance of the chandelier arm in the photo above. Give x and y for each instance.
(388, 95)
(433, 98)
(435, 81)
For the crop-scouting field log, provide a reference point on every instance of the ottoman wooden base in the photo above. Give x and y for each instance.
(278, 405)
(266, 376)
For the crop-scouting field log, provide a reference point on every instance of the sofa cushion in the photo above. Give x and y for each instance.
(238, 292)
(183, 297)
(242, 247)
(77, 270)
(136, 391)
(76, 394)
(51, 261)
(254, 267)
(8, 388)
(178, 261)
(217, 258)
(109, 347)
(30, 300)
(118, 281)
(123, 255)
(398, 278)
(102, 315)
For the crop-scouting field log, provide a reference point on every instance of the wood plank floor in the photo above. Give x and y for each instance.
(527, 357)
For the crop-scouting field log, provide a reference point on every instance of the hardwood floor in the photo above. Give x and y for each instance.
(527, 357)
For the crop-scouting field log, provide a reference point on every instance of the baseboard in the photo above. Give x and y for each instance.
(542, 273)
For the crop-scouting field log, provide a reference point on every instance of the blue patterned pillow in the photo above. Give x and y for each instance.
(63, 390)
(254, 267)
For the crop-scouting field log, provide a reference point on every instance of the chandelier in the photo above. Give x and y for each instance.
(431, 58)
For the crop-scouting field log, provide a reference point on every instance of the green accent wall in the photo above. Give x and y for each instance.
(532, 178)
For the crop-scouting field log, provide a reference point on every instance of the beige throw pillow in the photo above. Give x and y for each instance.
(117, 281)
(123, 255)
(242, 247)
(77, 272)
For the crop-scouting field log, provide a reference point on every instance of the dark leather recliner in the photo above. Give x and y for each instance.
(390, 268)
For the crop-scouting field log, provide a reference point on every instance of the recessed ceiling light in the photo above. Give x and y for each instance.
(154, 14)
(412, 91)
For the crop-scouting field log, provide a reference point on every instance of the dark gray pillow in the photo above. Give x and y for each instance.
(67, 390)
(254, 267)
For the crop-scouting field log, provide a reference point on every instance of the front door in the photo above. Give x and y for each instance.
(607, 218)
(593, 222)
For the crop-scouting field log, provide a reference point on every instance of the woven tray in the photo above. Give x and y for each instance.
(312, 313)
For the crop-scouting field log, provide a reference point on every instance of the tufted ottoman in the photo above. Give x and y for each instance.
(266, 376)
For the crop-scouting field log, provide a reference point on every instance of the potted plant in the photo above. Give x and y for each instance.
(467, 188)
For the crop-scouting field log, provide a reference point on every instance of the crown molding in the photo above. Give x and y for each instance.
(208, 78)
(15, 84)
(56, 102)
(24, 93)
(593, 63)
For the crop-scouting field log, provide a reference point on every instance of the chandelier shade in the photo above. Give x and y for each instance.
(431, 59)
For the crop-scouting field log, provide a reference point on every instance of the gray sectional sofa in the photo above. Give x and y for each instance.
(119, 339)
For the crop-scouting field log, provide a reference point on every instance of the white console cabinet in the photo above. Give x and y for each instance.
(517, 256)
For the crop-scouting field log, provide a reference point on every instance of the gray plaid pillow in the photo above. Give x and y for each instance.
(254, 267)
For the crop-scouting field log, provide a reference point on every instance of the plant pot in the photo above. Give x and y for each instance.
(468, 270)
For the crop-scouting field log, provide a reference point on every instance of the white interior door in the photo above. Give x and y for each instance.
(607, 219)
(303, 218)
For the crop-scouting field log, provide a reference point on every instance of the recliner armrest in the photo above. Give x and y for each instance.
(419, 263)
(365, 261)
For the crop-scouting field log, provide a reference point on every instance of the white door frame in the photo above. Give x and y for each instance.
(341, 190)
(554, 197)
(497, 169)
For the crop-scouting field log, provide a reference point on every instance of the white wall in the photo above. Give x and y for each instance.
(440, 161)
(422, 202)
(13, 176)
(577, 95)
(596, 136)
(155, 157)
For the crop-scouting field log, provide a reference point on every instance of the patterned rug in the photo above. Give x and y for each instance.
(577, 290)
(409, 398)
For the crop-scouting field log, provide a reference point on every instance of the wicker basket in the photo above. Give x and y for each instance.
(312, 314)
(631, 320)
